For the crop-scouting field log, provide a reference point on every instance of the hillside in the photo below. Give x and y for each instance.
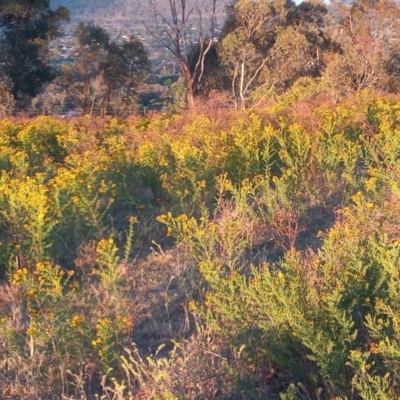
(134, 12)
(224, 255)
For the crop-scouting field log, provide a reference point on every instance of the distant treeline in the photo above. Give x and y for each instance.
(264, 49)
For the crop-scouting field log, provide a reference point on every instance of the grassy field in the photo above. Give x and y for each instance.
(206, 255)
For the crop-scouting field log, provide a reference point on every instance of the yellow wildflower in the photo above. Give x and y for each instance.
(132, 219)
(77, 320)
(97, 342)
(373, 348)
(19, 276)
(125, 322)
(31, 293)
(103, 322)
(31, 331)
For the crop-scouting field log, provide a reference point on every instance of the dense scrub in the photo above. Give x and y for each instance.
(283, 274)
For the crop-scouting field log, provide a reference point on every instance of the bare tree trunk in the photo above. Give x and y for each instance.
(178, 22)
(86, 97)
(92, 106)
(190, 99)
(189, 81)
(242, 90)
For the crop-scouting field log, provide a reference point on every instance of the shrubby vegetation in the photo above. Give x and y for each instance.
(281, 280)
(248, 252)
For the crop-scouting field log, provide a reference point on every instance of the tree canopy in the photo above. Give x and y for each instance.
(103, 69)
(26, 29)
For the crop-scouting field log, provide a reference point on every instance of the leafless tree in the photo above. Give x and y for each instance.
(174, 27)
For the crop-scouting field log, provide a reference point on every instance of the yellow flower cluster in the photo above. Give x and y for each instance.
(20, 276)
(97, 342)
(77, 320)
(124, 322)
(132, 219)
(31, 330)
(105, 244)
(103, 323)
(31, 293)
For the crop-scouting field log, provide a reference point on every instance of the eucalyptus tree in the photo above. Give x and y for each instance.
(26, 28)
(124, 68)
(367, 36)
(250, 34)
(267, 45)
(105, 68)
(92, 42)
